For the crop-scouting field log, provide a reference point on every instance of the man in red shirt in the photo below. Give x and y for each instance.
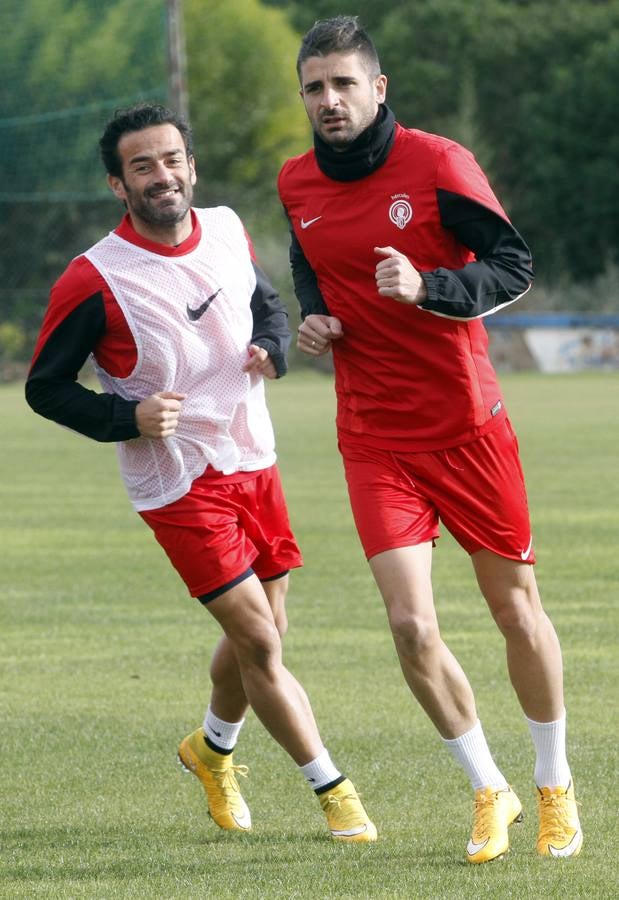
(183, 327)
(398, 249)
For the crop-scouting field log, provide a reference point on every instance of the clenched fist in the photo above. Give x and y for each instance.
(396, 277)
(157, 416)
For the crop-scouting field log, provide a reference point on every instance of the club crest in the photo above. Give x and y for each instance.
(400, 211)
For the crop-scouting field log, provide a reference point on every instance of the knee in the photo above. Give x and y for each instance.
(259, 650)
(414, 635)
(518, 618)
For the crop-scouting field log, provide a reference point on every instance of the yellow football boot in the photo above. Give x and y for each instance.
(494, 812)
(218, 776)
(560, 834)
(346, 817)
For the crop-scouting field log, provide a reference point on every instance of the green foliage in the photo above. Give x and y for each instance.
(59, 85)
(104, 667)
(64, 82)
(245, 110)
(543, 77)
(530, 87)
(303, 15)
(12, 340)
(64, 66)
(570, 160)
(563, 293)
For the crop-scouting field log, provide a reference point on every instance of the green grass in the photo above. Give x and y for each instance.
(104, 665)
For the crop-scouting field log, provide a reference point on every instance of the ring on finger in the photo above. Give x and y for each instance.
(313, 344)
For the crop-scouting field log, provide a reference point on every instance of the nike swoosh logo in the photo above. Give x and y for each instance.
(309, 222)
(569, 849)
(350, 832)
(524, 554)
(243, 821)
(216, 733)
(195, 314)
(472, 848)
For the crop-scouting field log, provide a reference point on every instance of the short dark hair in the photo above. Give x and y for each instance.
(135, 118)
(341, 34)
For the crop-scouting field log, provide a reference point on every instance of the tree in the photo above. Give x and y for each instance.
(530, 87)
(244, 103)
(60, 84)
(570, 175)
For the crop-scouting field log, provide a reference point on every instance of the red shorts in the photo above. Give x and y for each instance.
(477, 490)
(224, 526)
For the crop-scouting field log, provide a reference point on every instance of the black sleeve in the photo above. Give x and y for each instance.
(502, 270)
(305, 281)
(52, 389)
(271, 330)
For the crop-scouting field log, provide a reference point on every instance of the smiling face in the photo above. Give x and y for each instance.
(157, 182)
(340, 95)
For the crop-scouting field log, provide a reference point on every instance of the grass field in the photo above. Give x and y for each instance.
(105, 667)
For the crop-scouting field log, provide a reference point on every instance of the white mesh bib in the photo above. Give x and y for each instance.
(191, 321)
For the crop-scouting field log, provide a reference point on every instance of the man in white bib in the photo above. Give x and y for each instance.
(182, 327)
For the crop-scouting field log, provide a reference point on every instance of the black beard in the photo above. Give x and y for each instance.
(159, 216)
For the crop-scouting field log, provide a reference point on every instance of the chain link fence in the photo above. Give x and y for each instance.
(60, 85)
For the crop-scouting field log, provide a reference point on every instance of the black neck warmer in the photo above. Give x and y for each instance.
(361, 157)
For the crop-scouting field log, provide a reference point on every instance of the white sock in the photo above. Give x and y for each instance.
(551, 766)
(223, 734)
(320, 771)
(471, 751)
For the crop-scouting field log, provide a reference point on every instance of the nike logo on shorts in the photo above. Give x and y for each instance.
(524, 554)
(309, 222)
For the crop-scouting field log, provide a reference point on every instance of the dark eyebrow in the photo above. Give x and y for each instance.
(338, 79)
(146, 157)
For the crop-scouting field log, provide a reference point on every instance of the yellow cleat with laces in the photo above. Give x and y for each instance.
(346, 817)
(218, 776)
(560, 834)
(494, 812)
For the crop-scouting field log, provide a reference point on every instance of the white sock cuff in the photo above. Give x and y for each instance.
(320, 771)
(551, 765)
(471, 751)
(223, 734)
(548, 725)
(472, 735)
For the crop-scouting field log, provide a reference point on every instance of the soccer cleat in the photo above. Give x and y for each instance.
(560, 834)
(218, 776)
(346, 817)
(494, 812)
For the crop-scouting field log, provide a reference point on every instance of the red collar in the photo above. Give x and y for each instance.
(128, 233)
